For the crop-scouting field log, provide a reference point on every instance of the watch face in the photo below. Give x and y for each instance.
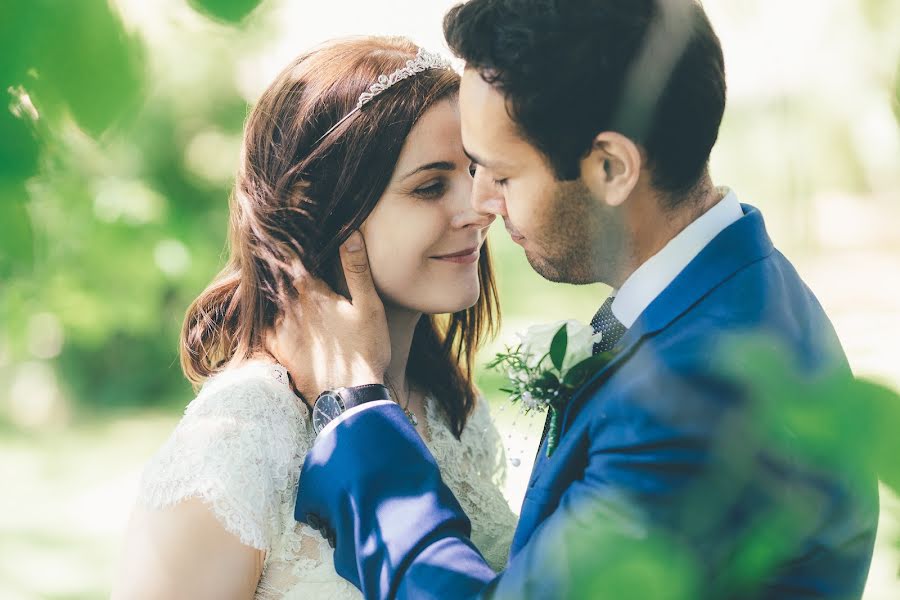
(327, 408)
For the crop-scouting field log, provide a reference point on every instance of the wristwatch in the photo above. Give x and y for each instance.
(333, 403)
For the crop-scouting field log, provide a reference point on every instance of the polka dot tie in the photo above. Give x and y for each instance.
(606, 323)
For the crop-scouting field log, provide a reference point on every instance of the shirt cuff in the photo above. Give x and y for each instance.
(352, 411)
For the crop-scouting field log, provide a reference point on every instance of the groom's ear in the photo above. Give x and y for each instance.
(612, 168)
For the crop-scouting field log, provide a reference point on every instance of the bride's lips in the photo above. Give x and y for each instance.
(463, 257)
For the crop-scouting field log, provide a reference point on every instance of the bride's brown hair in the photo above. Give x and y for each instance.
(298, 197)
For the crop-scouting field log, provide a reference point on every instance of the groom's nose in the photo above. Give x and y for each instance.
(469, 217)
(487, 199)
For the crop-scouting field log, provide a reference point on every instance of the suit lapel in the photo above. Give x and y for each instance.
(740, 244)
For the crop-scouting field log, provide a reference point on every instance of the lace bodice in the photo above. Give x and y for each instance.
(240, 446)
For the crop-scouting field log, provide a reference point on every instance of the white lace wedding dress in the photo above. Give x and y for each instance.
(240, 446)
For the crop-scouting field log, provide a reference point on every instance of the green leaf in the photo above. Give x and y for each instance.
(498, 360)
(558, 347)
(226, 11)
(74, 58)
(547, 381)
(579, 373)
(553, 431)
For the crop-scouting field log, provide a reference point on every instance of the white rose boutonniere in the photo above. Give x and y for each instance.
(547, 366)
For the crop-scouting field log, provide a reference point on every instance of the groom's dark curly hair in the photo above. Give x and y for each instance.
(650, 69)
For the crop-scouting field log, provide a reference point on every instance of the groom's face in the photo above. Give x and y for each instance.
(565, 231)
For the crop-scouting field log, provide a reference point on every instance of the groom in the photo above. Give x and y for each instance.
(590, 123)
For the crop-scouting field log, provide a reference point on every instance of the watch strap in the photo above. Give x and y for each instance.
(354, 396)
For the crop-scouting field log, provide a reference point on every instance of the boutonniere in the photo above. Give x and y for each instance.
(546, 368)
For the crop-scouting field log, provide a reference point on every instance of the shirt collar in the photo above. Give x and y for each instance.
(655, 275)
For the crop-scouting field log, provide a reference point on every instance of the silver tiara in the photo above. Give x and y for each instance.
(423, 61)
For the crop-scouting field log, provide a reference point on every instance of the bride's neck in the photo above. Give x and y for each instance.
(401, 325)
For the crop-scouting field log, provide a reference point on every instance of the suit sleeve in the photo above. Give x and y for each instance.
(674, 482)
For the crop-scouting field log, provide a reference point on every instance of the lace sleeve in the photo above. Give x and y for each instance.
(232, 449)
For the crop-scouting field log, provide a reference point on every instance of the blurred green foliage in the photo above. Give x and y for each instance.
(895, 103)
(104, 225)
(840, 423)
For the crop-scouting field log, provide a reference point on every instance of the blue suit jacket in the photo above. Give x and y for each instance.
(660, 461)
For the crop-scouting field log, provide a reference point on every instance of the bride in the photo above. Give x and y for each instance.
(214, 516)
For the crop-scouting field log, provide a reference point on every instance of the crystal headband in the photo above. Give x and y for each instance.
(423, 61)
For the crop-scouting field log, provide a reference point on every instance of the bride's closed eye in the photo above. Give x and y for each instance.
(431, 190)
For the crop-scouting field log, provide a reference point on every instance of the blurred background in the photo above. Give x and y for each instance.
(119, 137)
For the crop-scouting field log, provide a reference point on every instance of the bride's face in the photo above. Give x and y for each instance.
(423, 237)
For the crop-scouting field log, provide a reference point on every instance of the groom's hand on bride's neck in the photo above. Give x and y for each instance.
(328, 341)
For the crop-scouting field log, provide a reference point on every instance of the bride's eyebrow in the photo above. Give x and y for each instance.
(434, 166)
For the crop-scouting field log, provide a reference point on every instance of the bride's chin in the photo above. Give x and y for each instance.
(468, 303)
(454, 305)
(443, 306)
(467, 295)
(443, 297)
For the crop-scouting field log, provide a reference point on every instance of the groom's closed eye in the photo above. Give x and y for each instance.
(477, 163)
(473, 170)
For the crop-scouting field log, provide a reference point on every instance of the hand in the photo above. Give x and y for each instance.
(327, 341)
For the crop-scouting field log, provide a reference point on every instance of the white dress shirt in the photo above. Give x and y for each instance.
(655, 275)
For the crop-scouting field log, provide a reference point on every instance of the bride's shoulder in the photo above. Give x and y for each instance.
(245, 414)
(252, 389)
(238, 447)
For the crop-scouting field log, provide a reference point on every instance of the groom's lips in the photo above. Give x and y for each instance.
(516, 236)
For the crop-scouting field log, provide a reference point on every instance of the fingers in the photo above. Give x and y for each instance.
(298, 273)
(355, 262)
(305, 282)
